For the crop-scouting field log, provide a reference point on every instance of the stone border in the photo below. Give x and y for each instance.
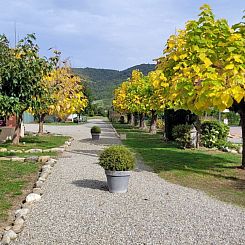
(36, 150)
(11, 232)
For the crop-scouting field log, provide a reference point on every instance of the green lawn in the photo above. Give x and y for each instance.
(14, 178)
(211, 171)
(17, 178)
(40, 142)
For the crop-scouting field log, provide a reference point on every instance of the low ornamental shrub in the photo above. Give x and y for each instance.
(213, 133)
(221, 144)
(95, 130)
(117, 158)
(182, 135)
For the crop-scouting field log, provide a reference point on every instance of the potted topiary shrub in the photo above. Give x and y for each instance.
(117, 162)
(95, 132)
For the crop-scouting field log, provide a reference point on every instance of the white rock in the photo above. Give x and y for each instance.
(68, 143)
(3, 149)
(11, 234)
(46, 150)
(44, 175)
(5, 159)
(22, 213)
(33, 197)
(18, 225)
(7, 228)
(46, 167)
(6, 240)
(39, 184)
(19, 159)
(37, 191)
(43, 159)
(31, 159)
(233, 151)
(57, 149)
(41, 179)
(26, 205)
(52, 162)
(34, 150)
(18, 151)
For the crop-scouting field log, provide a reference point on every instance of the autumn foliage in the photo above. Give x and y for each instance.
(202, 68)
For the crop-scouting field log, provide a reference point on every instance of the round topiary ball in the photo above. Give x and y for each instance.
(117, 158)
(95, 130)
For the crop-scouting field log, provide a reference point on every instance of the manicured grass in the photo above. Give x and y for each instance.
(14, 178)
(211, 171)
(41, 142)
(6, 154)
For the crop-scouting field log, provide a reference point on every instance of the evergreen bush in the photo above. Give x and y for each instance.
(117, 158)
(182, 135)
(213, 133)
(95, 130)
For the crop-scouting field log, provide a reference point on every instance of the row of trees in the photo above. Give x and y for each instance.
(202, 68)
(29, 82)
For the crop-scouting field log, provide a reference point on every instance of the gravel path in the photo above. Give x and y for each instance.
(76, 208)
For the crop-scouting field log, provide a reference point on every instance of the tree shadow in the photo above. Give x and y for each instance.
(91, 153)
(91, 184)
(105, 141)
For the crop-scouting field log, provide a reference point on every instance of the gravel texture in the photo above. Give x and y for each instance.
(76, 207)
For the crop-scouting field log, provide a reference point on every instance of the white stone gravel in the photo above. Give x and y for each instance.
(76, 207)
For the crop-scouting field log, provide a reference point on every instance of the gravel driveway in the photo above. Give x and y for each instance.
(76, 207)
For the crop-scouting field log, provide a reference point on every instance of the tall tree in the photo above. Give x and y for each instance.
(205, 66)
(21, 73)
(62, 95)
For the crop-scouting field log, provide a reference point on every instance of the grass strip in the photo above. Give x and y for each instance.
(213, 172)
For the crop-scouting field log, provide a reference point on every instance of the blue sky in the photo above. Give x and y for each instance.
(113, 34)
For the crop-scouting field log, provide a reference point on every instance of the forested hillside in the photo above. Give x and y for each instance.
(103, 81)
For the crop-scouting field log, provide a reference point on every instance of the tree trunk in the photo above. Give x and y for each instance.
(16, 137)
(153, 128)
(142, 121)
(242, 116)
(198, 128)
(131, 119)
(41, 122)
(136, 119)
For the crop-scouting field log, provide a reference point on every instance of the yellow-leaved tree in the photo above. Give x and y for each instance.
(205, 66)
(62, 94)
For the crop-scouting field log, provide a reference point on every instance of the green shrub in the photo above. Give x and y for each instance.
(95, 130)
(117, 158)
(221, 144)
(182, 135)
(213, 132)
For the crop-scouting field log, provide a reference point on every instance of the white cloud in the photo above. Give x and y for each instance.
(106, 33)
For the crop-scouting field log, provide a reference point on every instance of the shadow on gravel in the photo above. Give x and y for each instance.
(91, 184)
(91, 153)
(102, 141)
(107, 130)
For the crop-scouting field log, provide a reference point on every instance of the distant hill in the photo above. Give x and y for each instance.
(103, 81)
